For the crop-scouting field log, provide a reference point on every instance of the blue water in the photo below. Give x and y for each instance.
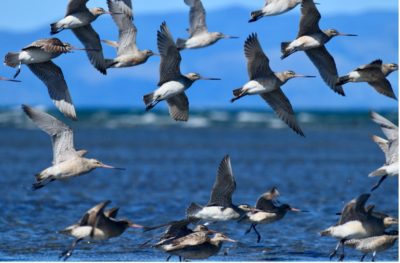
(170, 165)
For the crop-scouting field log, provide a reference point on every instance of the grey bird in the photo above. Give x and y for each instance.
(197, 245)
(38, 57)
(374, 74)
(311, 39)
(96, 224)
(357, 222)
(373, 244)
(220, 206)
(67, 162)
(172, 84)
(273, 8)
(128, 54)
(267, 84)
(78, 18)
(389, 146)
(199, 35)
(267, 211)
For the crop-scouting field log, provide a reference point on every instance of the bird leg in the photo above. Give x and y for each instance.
(248, 230)
(362, 257)
(373, 256)
(145, 243)
(331, 255)
(168, 258)
(257, 233)
(341, 256)
(378, 183)
(18, 70)
(67, 253)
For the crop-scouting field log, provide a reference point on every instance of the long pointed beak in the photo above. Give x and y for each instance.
(347, 35)
(230, 240)
(304, 76)
(135, 225)
(156, 54)
(232, 37)
(114, 13)
(210, 78)
(298, 210)
(85, 49)
(6, 79)
(111, 167)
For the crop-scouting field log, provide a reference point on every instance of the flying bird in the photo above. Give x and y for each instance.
(199, 35)
(273, 8)
(78, 18)
(389, 146)
(311, 39)
(67, 162)
(128, 54)
(219, 207)
(374, 74)
(96, 224)
(172, 84)
(38, 57)
(266, 83)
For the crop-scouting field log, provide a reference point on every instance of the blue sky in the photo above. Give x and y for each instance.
(35, 13)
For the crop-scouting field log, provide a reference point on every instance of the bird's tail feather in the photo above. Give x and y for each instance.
(12, 59)
(343, 80)
(285, 51)
(378, 172)
(192, 210)
(255, 15)
(237, 92)
(55, 28)
(148, 98)
(325, 232)
(110, 63)
(180, 43)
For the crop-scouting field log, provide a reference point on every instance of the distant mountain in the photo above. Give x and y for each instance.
(378, 38)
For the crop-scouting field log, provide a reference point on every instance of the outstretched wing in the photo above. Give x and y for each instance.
(197, 17)
(257, 61)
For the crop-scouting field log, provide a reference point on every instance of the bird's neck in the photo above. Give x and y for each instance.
(282, 77)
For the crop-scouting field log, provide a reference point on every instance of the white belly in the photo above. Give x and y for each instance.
(85, 231)
(261, 217)
(349, 230)
(74, 21)
(355, 77)
(201, 40)
(304, 43)
(169, 89)
(277, 8)
(35, 55)
(392, 169)
(258, 86)
(217, 213)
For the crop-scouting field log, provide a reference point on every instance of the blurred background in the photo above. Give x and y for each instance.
(171, 164)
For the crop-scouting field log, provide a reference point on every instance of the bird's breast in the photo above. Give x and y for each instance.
(170, 89)
(217, 213)
(35, 55)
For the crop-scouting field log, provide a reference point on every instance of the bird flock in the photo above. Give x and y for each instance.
(360, 227)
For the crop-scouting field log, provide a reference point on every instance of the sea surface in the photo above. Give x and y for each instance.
(169, 165)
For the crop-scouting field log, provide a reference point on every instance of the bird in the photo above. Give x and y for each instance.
(374, 74)
(199, 35)
(390, 147)
(38, 57)
(197, 245)
(273, 8)
(219, 207)
(266, 83)
(67, 162)
(128, 54)
(373, 244)
(7, 79)
(266, 211)
(96, 225)
(172, 84)
(357, 222)
(311, 39)
(78, 18)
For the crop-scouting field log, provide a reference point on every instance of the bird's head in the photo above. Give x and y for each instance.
(220, 35)
(393, 66)
(97, 164)
(389, 221)
(333, 33)
(289, 74)
(196, 76)
(98, 11)
(221, 237)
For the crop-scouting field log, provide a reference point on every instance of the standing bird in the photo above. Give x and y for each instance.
(96, 224)
(312, 39)
(78, 18)
(67, 162)
(375, 74)
(266, 83)
(197, 245)
(199, 35)
(273, 8)
(266, 211)
(172, 84)
(128, 54)
(357, 222)
(38, 57)
(373, 244)
(219, 207)
(390, 147)
(7, 79)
